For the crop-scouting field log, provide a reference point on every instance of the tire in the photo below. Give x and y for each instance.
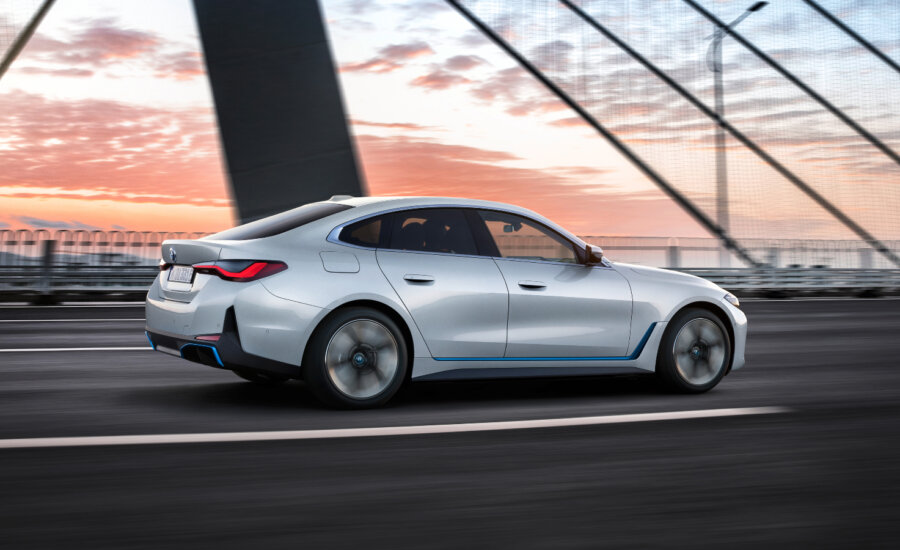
(694, 353)
(356, 359)
(261, 378)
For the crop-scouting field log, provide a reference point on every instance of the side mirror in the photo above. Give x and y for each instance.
(593, 255)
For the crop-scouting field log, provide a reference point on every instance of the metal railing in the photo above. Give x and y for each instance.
(681, 252)
(25, 247)
(44, 265)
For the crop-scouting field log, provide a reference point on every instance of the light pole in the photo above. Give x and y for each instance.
(714, 62)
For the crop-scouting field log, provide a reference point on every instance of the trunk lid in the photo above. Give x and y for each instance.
(185, 253)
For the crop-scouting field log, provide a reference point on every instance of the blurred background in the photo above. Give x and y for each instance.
(111, 141)
(756, 144)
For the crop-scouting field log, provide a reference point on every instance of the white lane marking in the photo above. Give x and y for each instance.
(41, 350)
(65, 320)
(157, 439)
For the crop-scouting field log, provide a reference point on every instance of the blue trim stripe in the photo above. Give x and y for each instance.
(213, 348)
(152, 345)
(634, 355)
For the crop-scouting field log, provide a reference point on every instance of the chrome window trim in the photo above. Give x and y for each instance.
(334, 235)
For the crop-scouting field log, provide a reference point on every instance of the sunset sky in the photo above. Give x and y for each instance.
(106, 121)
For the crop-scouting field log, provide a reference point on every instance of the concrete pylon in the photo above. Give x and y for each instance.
(281, 116)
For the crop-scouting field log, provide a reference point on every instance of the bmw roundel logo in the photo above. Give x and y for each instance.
(172, 255)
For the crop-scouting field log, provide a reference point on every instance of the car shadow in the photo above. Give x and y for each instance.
(525, 389)
(238, 394)
(295, 395)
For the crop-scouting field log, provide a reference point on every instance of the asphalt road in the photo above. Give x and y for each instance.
(825, 473)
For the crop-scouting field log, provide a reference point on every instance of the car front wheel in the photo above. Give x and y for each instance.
(356, 359)
(694, 352)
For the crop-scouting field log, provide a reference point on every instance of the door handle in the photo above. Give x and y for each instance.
(532, 285)
(416, 278)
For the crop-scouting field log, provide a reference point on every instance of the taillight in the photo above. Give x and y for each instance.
(241, 270)
(164, 265)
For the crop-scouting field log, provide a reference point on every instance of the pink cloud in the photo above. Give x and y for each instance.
(569, 122)
(127, 151)
(463, 62)
(394, 125)
(72, 72)
(439, 80)
(95, 45)
(181, 65)
(389, 58)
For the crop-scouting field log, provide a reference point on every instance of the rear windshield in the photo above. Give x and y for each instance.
(279, 223)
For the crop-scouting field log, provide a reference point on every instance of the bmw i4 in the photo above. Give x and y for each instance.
(357, 296)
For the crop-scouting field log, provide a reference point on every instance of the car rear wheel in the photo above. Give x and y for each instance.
(261, 378)
(694, 352)
(356, 359)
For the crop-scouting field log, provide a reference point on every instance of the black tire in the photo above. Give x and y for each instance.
(703, 354)
(262, 379)
(366, 364)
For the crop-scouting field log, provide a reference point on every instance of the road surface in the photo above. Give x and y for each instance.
(818, 469)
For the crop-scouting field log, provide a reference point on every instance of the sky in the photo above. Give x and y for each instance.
(106, 118)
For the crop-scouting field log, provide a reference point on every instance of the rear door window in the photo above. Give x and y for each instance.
(443, 230)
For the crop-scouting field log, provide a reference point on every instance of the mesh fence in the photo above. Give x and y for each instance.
(14, 16)
(678, 140)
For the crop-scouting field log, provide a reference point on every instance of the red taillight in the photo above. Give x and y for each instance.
(163, 265)
(209, 337)
(241, 270)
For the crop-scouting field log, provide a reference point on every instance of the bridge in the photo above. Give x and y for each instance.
(791, 165)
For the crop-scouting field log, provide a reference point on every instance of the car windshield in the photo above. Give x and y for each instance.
(279, 223)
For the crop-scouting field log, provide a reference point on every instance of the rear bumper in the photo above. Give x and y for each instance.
(226, 353)
(273, 330)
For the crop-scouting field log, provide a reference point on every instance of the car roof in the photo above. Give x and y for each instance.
(404, 202)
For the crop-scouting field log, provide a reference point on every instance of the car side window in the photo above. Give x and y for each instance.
(365, 233)
(432, 230)
(521, 238)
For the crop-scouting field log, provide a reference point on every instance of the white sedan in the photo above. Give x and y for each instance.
(357, 296)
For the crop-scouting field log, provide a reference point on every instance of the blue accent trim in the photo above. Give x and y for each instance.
(634, 355)
(213, 348)
(152, 345)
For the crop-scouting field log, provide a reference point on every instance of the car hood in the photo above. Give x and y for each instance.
(630, 272)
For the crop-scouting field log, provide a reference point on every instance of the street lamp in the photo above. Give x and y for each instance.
(714, 62)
